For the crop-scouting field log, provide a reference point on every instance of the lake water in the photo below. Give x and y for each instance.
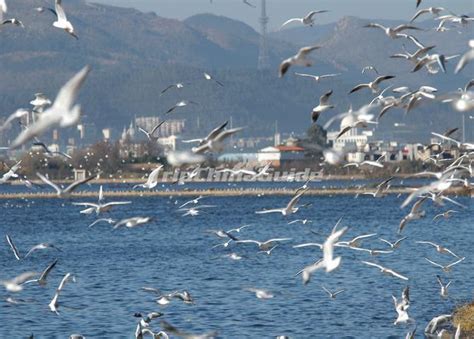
(175, 253)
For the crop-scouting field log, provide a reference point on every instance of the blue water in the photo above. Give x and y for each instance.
(175, 253)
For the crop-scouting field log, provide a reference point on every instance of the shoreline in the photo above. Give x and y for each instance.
(229, 192)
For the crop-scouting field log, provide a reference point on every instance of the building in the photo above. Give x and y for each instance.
(281, 155)
(169, 128)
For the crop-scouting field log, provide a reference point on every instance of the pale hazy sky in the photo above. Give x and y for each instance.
(279, 10)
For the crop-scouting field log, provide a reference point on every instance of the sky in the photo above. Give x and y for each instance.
(280, 10)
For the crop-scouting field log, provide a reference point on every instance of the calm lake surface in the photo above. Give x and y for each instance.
(175, 253)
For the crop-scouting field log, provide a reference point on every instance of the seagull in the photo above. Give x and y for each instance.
(100, 206)
(193, 211)
(40, 102)
(222, 234)
(393, 32)
(44, 275)
(386, 270)
(12, 21)
(436, 322)
(444, 288)
(299, 59)
(303, 221)
(193, 201)
(41, 246)
(132, 222)
(261, 293)
(432, 10)
(61, 113)
(178, 85)
(372, 85)
(328, 262)
(263, 246)
(268, 252)
(207, 76)
(439, 248)
(332, 295)
(16, 253)
(149, 135)
(317, 78)
(369, 68)
(108, 220)
(466, 58)
(171, 329)
(307, 20)
(309, 244)
(216, 142)
(290, 208)
(384, 186)
(15, 285)
(18, 114)
(53, 305)
(446, 268)
(415, 57)
(64, 193)
(356, 242)
(401, 308)
(430, 59)
(51, 153)
(238, 229)
(322, 107)
(61, 20)
(152, 180)
(213, 134)
(415, 214)
(182, 103)
(445, 215)
(394, 245)
(11, 173)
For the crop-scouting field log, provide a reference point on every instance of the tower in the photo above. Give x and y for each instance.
(263, 62)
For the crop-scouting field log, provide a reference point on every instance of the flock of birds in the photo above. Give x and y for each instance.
(453, 173)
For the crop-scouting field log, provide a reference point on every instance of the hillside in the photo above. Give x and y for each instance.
(135, 55)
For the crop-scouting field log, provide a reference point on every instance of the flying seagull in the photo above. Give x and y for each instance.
(373, 85)
(132, 222)
(152, 180)
(149, 134)
(445, 268)
(15, 284)
(44, 275)
(323, 106)
(49, 152)
(393, 32)
(317, 78)
(307, 20)
(207, 76)
(334, 294)
(41, 246)
(300, 59)
(61, 19)
(432, 10)
(182, 103)
(466, 58)
(178, 85)
(290, 208)
(61, 113)
(64, 193)
(386, 270)
(16, 253)
(53, 305)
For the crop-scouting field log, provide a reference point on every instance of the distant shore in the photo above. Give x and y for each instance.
(228, 192)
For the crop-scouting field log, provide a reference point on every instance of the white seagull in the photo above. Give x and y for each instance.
(300, 59)
(53, 305)
(16, 253)
(15, 284)
(263, 246)
(61, 113)
(318, 78)
(446, 268)
(393, 32)
(307, 20)
(290, 208)
(334, 294)
(40, 102)
(61, 19)
(439, 248)
(386, 270)
(207, 76)
(11, 173)
(323, 106)
(431, 10)
(152, 180)
(149, 134)
(261, 293)
(44, 275)
(466, 58)
(444, 288)
(373, 85)
(41, 246)
(132, 222)
(66, 192)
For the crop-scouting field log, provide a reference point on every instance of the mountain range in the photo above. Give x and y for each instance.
(135, 55)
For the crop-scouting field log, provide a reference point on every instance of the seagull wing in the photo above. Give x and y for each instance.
(306, 50)
(60, 10)
(383, 78)
(13, 247)
(290, 21)
(373, 264)
(76, 184)
(396, 274)
(456, 262)
(156, 127)
(420, 12)
(324, 99)
(433, 263)
(48, 269)
(49, 182)
(358, 87)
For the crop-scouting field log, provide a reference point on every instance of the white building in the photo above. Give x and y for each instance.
(277, 155)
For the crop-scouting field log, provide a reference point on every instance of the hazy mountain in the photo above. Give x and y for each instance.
(135, 55)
